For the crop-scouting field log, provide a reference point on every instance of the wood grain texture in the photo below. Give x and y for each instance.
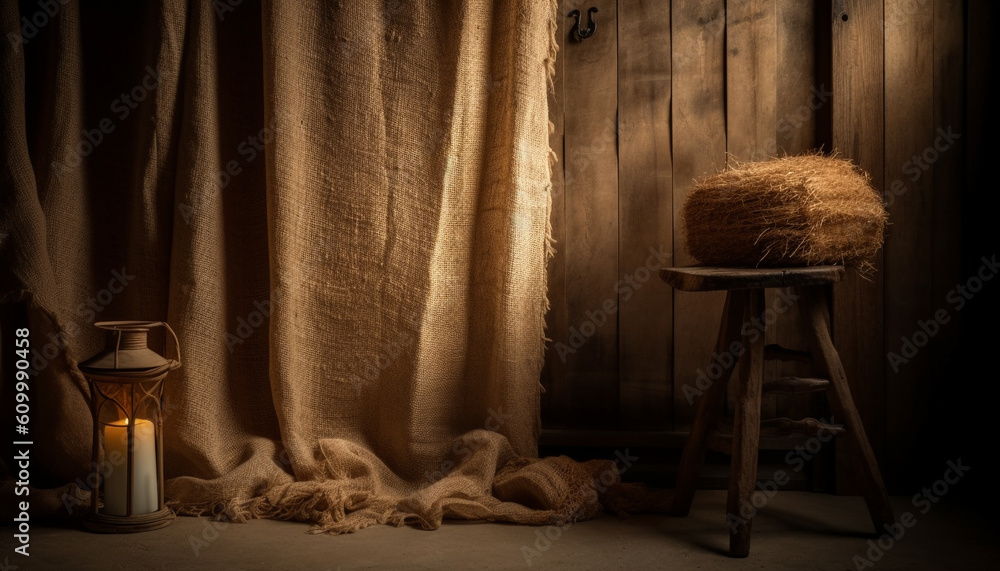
(751, 102)
(709, 401)
(860, 458)
(794, 385)
(909, 159)
(858, 123)
(751, 79)
(645, 213)
(746, 433)
(556, 395)
(699, 148)
(802, 98)
(800, 95)
(782, 427)
(706, 278)
(591, 183)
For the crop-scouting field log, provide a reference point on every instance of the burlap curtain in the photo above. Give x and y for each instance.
(340, 207)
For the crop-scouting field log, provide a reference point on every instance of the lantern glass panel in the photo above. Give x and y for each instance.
(126, 389)
(119, 403)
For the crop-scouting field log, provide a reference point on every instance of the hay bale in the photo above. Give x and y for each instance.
(790, 211)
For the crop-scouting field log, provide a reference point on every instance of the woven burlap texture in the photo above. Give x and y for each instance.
(341, 208)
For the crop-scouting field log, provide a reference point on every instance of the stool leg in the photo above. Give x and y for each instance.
(815, 316)
(746, 433)
(709, 411)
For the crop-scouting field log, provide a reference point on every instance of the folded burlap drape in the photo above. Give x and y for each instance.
(340, 207)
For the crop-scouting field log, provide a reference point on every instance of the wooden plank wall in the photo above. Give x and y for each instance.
(666, 92)
(802, 102)
(590, 171)
(645, 210)
(751, 108)
(858, 127)
(699, 146)
(909, 130)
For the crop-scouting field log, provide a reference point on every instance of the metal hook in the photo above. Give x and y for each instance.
(584, 33)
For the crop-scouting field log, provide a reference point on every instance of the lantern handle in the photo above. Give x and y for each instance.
(177, 344)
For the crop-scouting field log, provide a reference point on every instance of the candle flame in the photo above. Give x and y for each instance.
(124, 422)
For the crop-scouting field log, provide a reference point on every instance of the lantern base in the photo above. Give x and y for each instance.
(103, 523)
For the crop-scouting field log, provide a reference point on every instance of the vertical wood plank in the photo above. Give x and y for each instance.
(857, 133)
(556, 395)
(801, 97)
(699, 148)
(751, 79)
(590, 349)
(645, 202)
(909, 156)
(823, 32)
(751, 102)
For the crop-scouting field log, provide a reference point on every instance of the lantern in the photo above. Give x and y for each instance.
(126, 401)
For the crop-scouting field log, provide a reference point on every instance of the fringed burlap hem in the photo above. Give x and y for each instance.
(547, 491)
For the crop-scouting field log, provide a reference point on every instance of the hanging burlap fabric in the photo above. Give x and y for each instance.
(342, 210)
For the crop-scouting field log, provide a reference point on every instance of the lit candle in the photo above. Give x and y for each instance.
(144, 491)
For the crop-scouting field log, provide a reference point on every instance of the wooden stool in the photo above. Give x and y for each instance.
(744, 302)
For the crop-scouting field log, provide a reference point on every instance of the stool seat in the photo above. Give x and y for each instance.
(704, 278)
(744, 305)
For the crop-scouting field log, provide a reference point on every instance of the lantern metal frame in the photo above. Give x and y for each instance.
(149, 383)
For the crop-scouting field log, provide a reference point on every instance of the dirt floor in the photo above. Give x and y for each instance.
(794, 530)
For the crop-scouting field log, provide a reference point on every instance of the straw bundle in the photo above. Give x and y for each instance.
(790, 211)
